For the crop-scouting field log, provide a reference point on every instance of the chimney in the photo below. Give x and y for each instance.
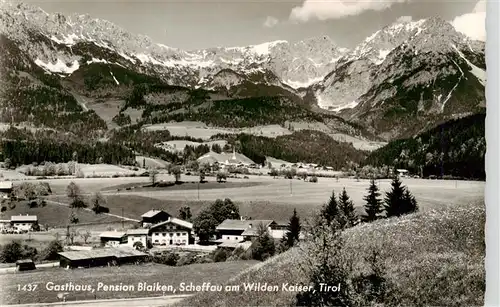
(250, 225)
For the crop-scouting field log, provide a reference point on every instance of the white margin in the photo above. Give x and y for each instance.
(492, 188)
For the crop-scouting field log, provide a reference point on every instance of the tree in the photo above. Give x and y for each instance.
(52, 250)
(11, 252)
(176, 171)
(347, 208)
(410, 204)
(7, 163)
(152, 176)
(97, 201)
(73, 219)
(394, 198)
(326, 265)
(73, 191)
(292, 234)
(330, 210)
(71, 235)
(373, 205)
(221, 177)
(263, 247)
(185, 213)
(273, 173)
(399, 200)
(85, 236)
(206, 221)
(202, 176)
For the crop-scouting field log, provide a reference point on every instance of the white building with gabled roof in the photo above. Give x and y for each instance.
(172, 232)
(23, 222)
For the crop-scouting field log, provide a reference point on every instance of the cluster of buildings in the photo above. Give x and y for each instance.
(161, 229)
(19, 223)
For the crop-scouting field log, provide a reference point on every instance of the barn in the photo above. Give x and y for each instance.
(25, 265)
(101, 257)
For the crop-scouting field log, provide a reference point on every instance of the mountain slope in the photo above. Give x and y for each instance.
(455, 148)
(407, 76)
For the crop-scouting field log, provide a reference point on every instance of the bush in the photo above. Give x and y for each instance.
(187, 259)
(167, 259)
(313, 179)
(50, 252)
(220, 255)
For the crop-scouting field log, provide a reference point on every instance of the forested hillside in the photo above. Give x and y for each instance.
(456, 148)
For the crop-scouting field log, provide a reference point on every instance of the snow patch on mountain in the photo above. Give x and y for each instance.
(476, 71)
(58, 67)
(298, 84)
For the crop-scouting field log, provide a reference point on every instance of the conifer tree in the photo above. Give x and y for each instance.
(330, 210)
(394, 199)
(409, 203)
(347, 208)
(293, 230)
(373, 205)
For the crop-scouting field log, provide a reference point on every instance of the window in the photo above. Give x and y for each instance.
(236, 238)
(228, 238)
(156, 241)
(171, 234)
(164, 234)
(178, 234)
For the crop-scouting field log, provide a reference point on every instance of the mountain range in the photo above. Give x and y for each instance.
(401, 80)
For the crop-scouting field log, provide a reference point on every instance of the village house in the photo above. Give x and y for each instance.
(239, 230)
(4, 224)
(172, 232)
(113, 238)
(5, 189)
(138, 235)
(153, 217)
(24, 222)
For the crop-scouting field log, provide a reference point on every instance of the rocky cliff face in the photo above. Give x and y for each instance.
(398, 81)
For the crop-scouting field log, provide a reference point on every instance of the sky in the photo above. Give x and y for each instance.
(196, 24)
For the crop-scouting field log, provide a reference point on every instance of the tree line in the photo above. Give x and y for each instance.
(456, 148)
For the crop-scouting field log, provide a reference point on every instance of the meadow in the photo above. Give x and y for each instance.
(431, 258)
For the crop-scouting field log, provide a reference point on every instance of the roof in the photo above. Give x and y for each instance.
(241, 224)
(112, 234)
(402, 170)
(5, 184)
(24, 261)
(4, 221)
(212, 157)
(119, 252)
(176, 221)
(23, 218)
(139, 231)
(152, 213)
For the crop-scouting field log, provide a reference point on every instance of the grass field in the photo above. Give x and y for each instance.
(432, 258)
(58, 216)
(429, 193)
(215, 273)
(262, 197)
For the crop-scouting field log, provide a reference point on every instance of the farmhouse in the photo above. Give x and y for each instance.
(154, 217)
(137, 235)
(113, 238)
(5, 189)
(24, 222)
(101, 257)
(239, 230)
(225, 159)
(172, 232)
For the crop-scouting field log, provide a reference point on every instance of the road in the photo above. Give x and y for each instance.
(135, 302)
